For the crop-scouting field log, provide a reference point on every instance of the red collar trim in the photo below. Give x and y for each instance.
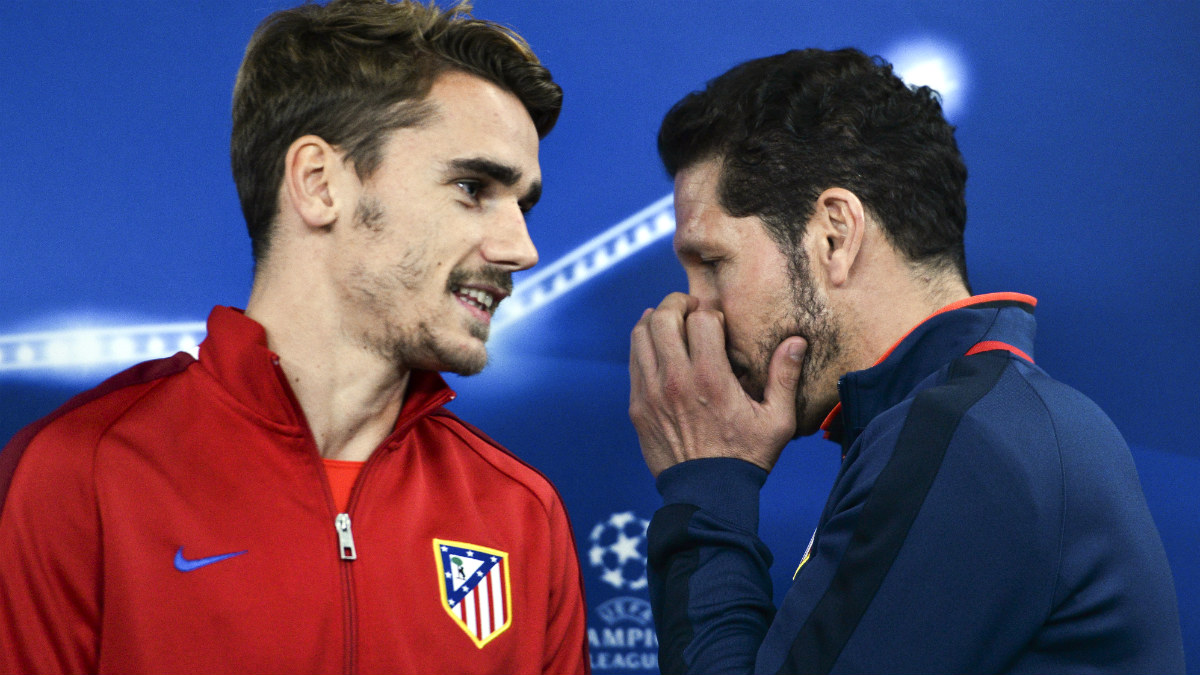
(960, 304)
(994, 345)
(833, 415)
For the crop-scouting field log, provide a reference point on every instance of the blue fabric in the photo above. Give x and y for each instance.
(1032, 552)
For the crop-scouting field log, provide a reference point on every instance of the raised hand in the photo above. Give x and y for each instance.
(685, 401)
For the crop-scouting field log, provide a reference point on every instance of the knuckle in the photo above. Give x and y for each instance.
(705, 381)
(662, 317)
(640, 328)
(671, 388)
(675, 297)
(702, 319)
(674, 385)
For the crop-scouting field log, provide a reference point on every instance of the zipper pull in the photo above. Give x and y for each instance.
(345, 537)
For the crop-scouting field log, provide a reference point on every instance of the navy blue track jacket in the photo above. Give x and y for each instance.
(986, 518)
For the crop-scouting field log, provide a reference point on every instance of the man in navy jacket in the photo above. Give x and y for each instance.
(986, 517)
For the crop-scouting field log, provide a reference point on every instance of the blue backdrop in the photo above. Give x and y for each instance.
(1077, 121)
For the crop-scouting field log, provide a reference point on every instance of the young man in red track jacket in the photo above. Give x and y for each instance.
(297, 500)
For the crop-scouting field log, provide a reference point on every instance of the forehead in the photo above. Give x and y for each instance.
(700, 221)
(472, 118)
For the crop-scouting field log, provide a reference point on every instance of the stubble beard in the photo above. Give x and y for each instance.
(466, 361)
(417, 346)
(809, 318)
(421, 347)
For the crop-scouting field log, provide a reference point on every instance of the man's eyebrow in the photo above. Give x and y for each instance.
(531, 196)
(504, 174)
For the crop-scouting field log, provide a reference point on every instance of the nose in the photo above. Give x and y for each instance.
(508, 244)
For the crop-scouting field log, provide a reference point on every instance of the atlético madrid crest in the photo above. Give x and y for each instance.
(476, 591)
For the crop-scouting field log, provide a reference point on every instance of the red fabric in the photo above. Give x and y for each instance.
(216, 459)
(341, 475)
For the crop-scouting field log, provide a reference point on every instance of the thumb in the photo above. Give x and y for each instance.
(783, 375)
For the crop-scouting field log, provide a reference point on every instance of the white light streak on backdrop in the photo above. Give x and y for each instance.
(86, 348)
(89, 348)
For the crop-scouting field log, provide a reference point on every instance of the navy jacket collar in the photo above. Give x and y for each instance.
(949, 333)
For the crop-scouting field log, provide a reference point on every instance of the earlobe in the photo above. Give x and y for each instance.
(841, 219)
(308, 180)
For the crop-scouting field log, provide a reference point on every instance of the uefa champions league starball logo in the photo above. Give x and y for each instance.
(619, 550)
(621, 634)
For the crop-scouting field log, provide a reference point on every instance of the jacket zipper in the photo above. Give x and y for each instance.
(345, 537)
(348, 555)
(341, 522)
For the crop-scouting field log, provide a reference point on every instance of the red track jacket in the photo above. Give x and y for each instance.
(177, 519)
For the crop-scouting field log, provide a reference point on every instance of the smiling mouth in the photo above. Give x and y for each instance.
(485, 300)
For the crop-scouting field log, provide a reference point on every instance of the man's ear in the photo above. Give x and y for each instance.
(837, 228)
(310, 178)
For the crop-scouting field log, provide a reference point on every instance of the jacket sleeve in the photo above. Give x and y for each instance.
(49, 558)
(709, 582)
(566, 634)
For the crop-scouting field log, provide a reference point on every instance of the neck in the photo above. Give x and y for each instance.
(883, 315)
(350, 395)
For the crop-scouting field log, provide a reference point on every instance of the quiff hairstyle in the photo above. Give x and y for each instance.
(351, 72)
(785, 128)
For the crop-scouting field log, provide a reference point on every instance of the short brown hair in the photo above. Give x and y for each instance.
(352, 71)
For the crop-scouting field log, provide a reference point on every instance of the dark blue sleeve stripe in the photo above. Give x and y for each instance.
(890, 510)
(672, 559)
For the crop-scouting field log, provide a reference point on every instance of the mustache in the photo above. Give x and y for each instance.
(489, 275)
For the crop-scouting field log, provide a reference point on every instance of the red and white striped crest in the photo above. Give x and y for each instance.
(475, 586)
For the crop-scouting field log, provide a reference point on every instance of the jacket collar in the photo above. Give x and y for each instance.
(942, 337)
(236, 355)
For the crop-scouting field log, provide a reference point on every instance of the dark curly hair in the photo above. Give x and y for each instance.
(351, 72)
(788, 127)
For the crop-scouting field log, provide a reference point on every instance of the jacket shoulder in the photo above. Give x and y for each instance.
(501, 459)
(76, 425)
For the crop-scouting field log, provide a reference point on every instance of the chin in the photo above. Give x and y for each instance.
(462, 361)
(463, 354)
(466, 369)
